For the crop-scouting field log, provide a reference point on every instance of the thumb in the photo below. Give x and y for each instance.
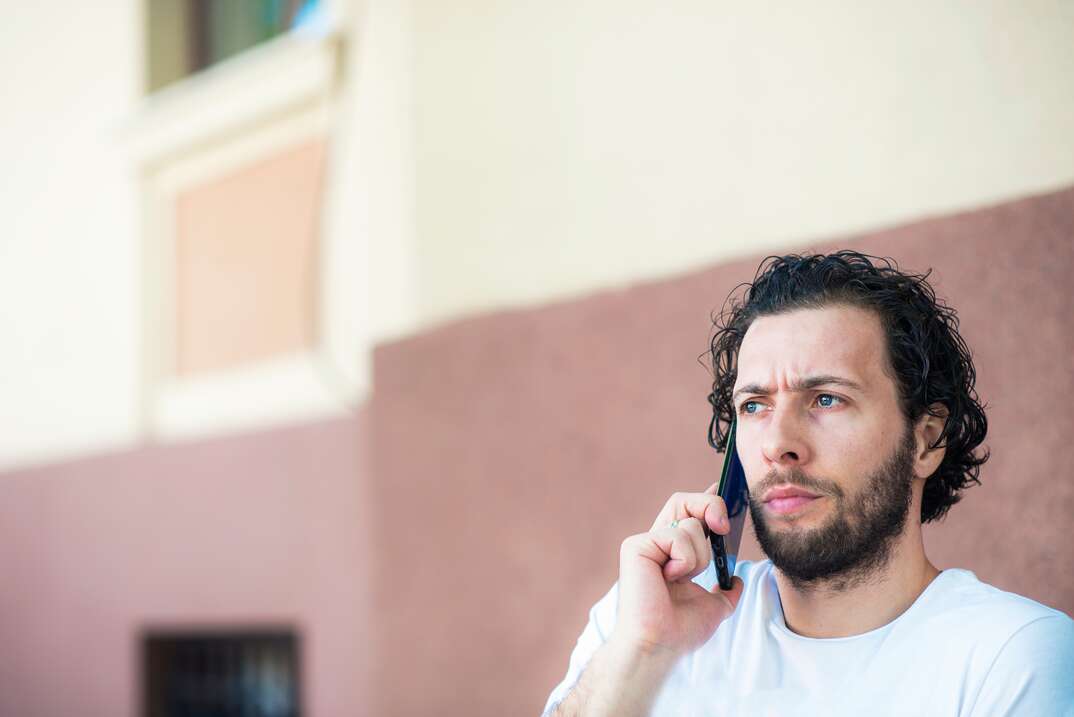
(712, 488)
(733, 595)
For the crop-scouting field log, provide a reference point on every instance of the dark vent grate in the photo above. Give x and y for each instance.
(247, 674)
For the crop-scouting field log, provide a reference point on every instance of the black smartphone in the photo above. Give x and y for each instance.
(736, 495)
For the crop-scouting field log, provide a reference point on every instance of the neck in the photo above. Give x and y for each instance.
(838, 607)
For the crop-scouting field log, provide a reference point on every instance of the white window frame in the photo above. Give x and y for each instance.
(256, 105)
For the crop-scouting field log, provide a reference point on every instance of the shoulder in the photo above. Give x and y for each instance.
(1020, 652)
(958, 596)
(1032, 672)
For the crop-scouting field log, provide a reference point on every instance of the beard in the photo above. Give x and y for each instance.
(857, 540)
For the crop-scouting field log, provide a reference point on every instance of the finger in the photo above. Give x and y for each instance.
(713, 488)
(706, 507)
(687, 549)
(700, 543)
(641, 562)
(684, 505)
(680, 557)
(733, 595)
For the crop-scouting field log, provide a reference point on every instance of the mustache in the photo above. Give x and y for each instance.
(798, 478)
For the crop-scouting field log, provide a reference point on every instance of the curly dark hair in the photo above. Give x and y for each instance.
(929, 360)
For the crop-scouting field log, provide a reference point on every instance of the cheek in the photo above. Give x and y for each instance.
(749, 454)
(846, 450)
(854, 452)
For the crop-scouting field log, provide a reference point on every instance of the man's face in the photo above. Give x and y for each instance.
(826, 450)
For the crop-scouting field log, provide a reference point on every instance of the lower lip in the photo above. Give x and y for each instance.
(792, 504)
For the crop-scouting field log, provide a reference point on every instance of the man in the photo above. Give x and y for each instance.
(857, 421)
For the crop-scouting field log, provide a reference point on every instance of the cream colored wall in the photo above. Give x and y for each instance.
(68, 248)
(569, 145)
(373, 185)
(491, 154)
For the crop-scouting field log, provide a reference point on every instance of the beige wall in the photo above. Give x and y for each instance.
(69, 251)
(567, 145)
(492, 154)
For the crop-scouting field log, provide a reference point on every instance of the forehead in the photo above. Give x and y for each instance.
(840, 340)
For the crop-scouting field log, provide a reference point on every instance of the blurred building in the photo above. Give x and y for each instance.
(247, 243)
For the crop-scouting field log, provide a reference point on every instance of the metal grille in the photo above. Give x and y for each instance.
(248, 674)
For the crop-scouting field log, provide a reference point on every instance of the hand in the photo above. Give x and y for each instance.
(660, 608)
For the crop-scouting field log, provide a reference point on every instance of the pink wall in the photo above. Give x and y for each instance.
(267, 528)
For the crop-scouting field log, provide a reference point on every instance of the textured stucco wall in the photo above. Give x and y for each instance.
(514, 452)
(260, 529)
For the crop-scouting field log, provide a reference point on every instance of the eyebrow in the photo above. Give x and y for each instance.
(806, 384)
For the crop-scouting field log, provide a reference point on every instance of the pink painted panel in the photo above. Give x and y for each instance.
(246, 262)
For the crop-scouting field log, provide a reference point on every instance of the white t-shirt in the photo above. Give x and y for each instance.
(963, 648)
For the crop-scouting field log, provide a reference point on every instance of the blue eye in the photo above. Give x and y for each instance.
(748, 403)
(823, 396)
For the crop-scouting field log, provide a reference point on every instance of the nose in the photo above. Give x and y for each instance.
(784, 443)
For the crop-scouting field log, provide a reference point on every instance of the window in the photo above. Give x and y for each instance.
(187, 36)
(249, 674)
(250, 265)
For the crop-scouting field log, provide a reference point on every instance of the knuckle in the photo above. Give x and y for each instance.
(684, 555)
(632, 543)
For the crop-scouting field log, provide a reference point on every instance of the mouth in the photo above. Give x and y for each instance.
(785, 500)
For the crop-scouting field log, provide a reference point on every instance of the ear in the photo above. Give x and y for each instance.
(926, 432)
